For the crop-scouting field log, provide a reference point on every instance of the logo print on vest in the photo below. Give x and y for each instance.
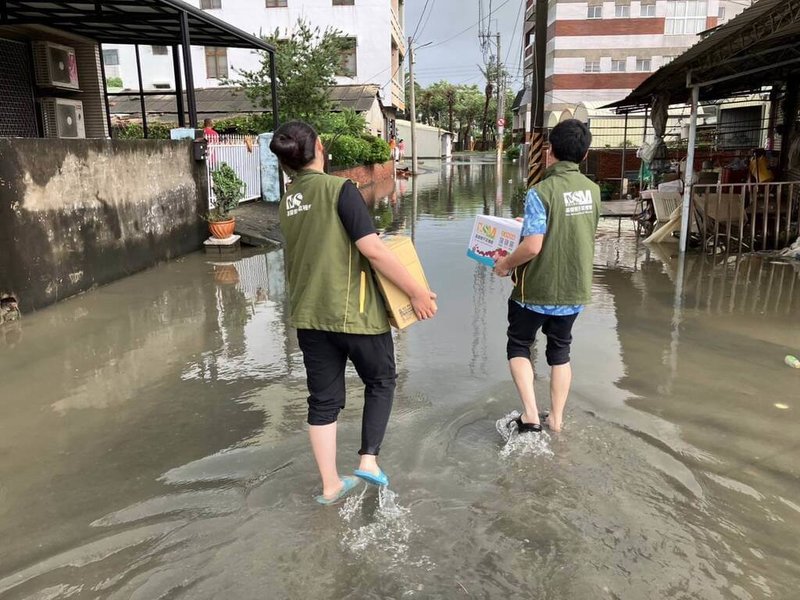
(294, 205)
(578, 203)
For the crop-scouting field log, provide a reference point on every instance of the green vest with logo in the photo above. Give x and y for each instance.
(331, 287)
(562, 272)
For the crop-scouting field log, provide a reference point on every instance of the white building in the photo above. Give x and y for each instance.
(376, 28)
(600, 50)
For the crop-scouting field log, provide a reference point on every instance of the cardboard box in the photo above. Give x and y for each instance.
(398, 305)
(493, 237)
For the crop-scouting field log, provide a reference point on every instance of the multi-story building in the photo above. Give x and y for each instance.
(375, 29)
(599, 50)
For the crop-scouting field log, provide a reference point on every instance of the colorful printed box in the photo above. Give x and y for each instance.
(492, 238)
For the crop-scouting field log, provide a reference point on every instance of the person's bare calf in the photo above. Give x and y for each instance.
(560, 382)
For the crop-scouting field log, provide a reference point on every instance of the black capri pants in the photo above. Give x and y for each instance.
(523, 325)
(325, 355)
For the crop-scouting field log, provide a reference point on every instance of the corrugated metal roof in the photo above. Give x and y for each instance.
(155, 22)
(764, 37)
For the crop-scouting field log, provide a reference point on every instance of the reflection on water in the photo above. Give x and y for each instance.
(152, 439)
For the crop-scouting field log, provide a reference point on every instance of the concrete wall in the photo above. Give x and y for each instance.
(429, 139)
(79, 213)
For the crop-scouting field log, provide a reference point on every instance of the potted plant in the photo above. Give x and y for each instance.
(606, 190)
(228, 191)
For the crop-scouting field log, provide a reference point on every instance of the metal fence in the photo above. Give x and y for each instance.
(241, 153)
(746, 217)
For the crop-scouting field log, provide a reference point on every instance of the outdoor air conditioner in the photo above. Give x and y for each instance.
(56, 66)
(63, 118)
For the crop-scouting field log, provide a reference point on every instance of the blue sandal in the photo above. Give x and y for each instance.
(381, 479)
(348, 484)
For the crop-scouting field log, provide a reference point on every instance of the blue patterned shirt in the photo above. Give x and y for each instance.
(535, 223)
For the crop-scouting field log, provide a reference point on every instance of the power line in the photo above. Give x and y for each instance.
(470, 28)
(419, 22)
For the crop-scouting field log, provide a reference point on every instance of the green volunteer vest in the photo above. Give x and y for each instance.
(331, 287)
(562, 273)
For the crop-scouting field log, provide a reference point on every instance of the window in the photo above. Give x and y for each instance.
(111, 58)
(648, 9)
(209, 4)
(344, 2)
(622, 10)
(618, 66)
(721, 14)
(159, 50)
(644, 65)
(592, 66)
(668, 59)
(348, 62)
(162, 86)
(686, 17)
(595, 12)
(276, 4)
(216, 62)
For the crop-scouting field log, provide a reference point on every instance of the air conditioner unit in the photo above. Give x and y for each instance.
(63, 118)
(56, 66)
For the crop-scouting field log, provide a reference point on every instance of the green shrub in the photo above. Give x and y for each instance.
(512, 153)
(134, 131)
(245, 125)
(346, 151)
(379, 151)
(114, 82)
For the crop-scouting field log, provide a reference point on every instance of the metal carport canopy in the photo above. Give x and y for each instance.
(147, 22)
(758, 48)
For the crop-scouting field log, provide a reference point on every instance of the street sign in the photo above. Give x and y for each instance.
(501, 122)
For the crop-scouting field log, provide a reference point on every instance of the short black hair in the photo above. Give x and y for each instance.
(570, 140)
(294, 143)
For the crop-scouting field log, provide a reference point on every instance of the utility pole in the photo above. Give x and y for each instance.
(536, 155)
(414, 161)
(501, 110)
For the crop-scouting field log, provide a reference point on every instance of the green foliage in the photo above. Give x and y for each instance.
(379, 151)
(350, 151)
(346, 150)
(114, 82)
(156, 130)
(512, 153)
(306, 61)
(244, 125)
(347, 122)
(228, 191)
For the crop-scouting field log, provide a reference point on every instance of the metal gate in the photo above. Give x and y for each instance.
(241, 153)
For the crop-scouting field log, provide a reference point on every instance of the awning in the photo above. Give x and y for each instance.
(146, 22)
(756, 49)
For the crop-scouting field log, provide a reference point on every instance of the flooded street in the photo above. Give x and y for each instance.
(153, 440)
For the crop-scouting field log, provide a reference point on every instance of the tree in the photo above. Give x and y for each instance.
(469, 102)
(306, 62)
(495, 79)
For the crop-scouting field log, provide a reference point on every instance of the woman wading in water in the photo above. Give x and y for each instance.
(331, 250)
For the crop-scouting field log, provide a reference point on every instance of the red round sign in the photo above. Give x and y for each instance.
(501, 122)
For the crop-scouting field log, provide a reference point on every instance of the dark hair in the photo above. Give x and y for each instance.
(570, 140)
(208, 123)
(294, 143)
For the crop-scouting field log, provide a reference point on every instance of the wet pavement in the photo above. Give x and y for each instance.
(152, 437)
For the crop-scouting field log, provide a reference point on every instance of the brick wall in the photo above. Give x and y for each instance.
(586, 27)
(366, 175)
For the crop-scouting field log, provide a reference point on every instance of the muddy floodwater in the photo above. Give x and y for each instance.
(153, 441)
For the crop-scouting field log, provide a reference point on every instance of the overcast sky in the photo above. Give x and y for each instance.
(457, 60)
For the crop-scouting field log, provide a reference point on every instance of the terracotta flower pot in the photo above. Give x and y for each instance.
(222, 230)
(226, 274)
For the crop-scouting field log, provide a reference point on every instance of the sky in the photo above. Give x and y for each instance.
(456, 60)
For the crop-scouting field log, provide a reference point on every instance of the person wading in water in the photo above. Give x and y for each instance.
(552, 273)
(331, 250)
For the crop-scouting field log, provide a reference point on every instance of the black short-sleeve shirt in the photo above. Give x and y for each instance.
(354, 214)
